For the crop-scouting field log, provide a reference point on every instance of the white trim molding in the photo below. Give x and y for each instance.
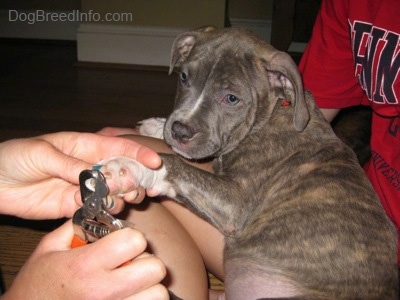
(121, 44)
(141, 45)
(261, 27)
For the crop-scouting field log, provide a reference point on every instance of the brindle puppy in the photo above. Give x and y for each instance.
(299, 216)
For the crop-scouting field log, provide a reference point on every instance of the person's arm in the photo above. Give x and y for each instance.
(327, 64)
(330, 113)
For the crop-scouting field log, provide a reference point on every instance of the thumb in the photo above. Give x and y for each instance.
(63, 166)
(58, 240)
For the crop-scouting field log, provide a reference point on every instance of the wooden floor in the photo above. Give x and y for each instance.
(43, 89)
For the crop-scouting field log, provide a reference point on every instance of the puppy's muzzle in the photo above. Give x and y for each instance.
(181, 132)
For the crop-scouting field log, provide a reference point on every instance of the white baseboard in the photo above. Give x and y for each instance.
(27, 24)
(125, 44)
(141, 45)
(261, 27)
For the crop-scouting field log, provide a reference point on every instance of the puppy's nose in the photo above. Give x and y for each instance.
(182, 132)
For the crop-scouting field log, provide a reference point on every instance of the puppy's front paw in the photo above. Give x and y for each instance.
(153, 127)
(124, 174)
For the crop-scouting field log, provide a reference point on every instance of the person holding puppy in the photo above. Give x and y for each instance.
(353, 59)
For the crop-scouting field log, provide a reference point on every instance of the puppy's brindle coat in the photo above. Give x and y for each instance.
(299, 216)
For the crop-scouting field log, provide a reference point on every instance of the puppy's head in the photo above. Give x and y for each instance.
(229, 84)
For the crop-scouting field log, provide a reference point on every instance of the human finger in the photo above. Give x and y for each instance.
(136, 196)
(117, 248)
(106, 146)
(156, 292)
(92, 148)
(57, 240)
(141, 274)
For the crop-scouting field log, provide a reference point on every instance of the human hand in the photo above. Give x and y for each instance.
(54, 271)
(39, 176)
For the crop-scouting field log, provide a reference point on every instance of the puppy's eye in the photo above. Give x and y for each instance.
(232, 99)
(183, 76)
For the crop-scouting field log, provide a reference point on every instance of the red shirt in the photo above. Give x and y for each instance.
(353, 58)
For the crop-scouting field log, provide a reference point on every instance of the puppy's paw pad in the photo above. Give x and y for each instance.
(153, 127)
(124, 174)
(120, 173)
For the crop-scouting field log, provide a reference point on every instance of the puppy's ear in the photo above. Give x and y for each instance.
(183, 44)
(283, 75)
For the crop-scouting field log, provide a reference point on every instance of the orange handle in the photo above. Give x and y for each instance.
(77, 242)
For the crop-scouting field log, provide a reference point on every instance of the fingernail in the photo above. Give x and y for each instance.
(110, 202)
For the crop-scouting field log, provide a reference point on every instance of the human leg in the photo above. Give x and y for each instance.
(207, 238)
(168, 240)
